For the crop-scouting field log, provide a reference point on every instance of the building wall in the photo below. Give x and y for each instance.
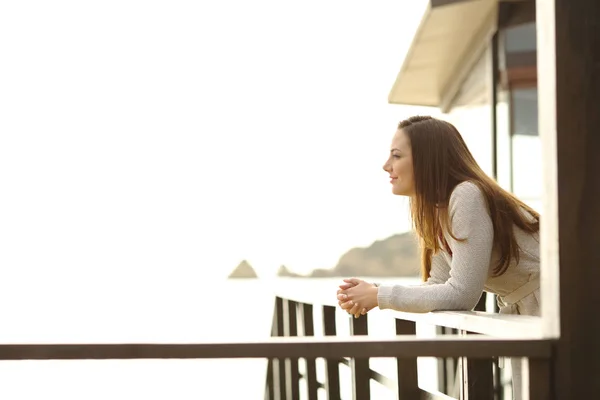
(517, 143)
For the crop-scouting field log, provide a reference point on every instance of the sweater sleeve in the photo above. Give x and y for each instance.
(440, 270)
(469, 269)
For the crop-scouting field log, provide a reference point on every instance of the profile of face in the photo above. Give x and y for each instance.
(400, 165)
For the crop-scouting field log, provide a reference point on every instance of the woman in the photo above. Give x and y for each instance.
(474, 235)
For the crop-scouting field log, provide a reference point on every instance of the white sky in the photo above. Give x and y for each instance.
(176, 138)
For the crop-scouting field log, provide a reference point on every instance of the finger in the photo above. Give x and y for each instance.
(347, 305)
(343, 296)
(345, 286)
(363, 311)
(354, 310)
(353, 281)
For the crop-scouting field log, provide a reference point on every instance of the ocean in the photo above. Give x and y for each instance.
(220, 310)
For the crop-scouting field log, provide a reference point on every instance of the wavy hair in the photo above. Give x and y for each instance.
(441, 161)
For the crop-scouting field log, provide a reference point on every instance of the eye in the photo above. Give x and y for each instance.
(395, 156)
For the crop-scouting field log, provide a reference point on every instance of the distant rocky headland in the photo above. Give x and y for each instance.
(243, 270)
(396, 256)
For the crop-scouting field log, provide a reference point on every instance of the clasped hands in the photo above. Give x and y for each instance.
(357, 297)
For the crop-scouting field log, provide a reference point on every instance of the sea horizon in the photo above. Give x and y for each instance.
(240, 309)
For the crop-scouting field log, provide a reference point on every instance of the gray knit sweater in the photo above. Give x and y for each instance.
(457, 280)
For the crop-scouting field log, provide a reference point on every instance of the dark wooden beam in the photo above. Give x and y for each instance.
(569, 88)
(292, 374)
(359, 367)
(311, 365)
(332, 381)
(279, 363)
(283, 347)
(539, 373)
(408, 379)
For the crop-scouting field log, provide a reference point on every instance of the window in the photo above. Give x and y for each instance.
(526, 147)
(519, 146)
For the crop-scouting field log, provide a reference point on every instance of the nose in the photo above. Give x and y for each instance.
(387, 167)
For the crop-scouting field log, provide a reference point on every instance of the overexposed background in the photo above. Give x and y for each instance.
(180, 137)
(147, 147)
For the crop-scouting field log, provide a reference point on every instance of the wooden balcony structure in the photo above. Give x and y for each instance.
(564, 348)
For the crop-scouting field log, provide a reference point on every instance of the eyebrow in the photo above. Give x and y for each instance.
(395, 149)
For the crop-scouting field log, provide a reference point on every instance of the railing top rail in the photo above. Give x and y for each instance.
(485, 323)
(492, 324)
(404, 346)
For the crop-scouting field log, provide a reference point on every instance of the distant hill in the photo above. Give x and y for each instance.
(283, 271)
(243, 270)
(396, 256)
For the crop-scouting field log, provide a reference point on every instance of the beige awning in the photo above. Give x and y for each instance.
(449, 40)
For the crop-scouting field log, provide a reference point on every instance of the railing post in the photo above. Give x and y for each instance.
(292, 376)
(271, 376)
(278, 363)
(311, 367)
(408, 383)
(332, 383)
(269, 393)
(361, 373)
(478, 382)
(477, 378)
(449, 368)
(537, 373)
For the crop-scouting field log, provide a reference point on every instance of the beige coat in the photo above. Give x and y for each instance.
(457, 280)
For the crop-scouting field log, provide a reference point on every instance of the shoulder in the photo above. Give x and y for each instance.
(466, 191)
(467, 195)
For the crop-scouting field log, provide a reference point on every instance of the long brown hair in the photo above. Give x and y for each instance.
(441, 160)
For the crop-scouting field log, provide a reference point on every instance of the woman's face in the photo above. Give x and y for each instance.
(400, 165)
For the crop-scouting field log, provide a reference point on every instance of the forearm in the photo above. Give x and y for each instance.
(426, 298)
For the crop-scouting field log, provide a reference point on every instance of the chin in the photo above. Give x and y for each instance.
(398, 192)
